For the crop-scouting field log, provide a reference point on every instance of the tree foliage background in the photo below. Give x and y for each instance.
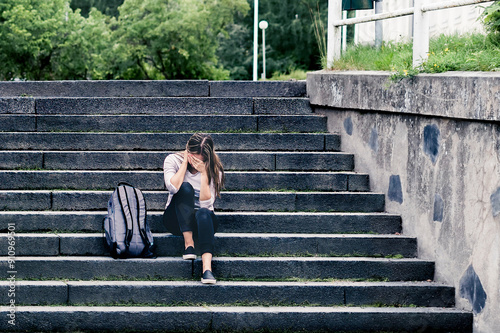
(152, 39)
(491, 17)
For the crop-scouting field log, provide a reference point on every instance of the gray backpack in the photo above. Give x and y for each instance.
(126, 228)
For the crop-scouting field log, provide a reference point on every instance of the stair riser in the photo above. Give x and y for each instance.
(168, 245)
(105, 88)
(33, 180)
(105, 105)
(28, 123)
(173, 105)
(342, 269)
(258, 89)
(170, 88)
(229, 201)
(316, 161)
(96, 268)
(17, 123)
(228, 222)
(78, 293)
(166, 268)
(18, 105)
(161, 141)
(237, 320)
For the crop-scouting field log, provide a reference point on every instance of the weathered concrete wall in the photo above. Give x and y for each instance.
(435, 153)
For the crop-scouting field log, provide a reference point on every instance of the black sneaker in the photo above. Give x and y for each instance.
(189, 254)
(208, 277)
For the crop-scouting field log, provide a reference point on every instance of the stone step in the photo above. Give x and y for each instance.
(170, 88)
(234, 244)
(258, 89)
(422, 294)
(236, 319)
(144, 160)
(104, 88)
(230, 222)
(248, 268)
(229, 201)
(161, 123)
(154, 180)
(155, 105)
(167, 141)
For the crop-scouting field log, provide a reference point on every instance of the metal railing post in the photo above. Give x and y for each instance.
(334, 32)
(379, 29)
(420, 34)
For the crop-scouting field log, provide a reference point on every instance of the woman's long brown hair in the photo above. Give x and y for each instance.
(203, 144)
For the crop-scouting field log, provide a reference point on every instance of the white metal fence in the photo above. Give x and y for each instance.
(420, 11)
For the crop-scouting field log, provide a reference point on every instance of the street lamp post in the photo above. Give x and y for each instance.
(263, 25)
(255, 38)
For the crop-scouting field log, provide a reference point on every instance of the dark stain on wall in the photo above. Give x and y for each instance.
(348, 125)
(472, 290)
(438, 208)
(395, 192)
(495, 202)
(374, 140)
(431, 141)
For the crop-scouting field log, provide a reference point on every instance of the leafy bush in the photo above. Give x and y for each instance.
(491, 17)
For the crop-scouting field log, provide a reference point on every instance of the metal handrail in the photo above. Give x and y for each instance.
(376, 17)
(421, 25)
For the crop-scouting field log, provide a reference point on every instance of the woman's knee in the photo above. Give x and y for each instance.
(206, 220)
(186, 189)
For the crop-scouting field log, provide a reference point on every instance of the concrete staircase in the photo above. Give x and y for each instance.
(302, 245)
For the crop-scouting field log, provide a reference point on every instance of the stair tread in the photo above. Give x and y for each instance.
(246, 213)
(227, 318)
(288, 192)
(267, 309)
(191, 283)
(242, 259)
(152, 172)
(227, 235)
(246, 152)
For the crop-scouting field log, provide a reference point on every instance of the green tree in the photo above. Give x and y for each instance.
(235, 51)
(171, 39)
(29, 33)
(290, 38)
(108, 7)
(82, 53)
(46, 40)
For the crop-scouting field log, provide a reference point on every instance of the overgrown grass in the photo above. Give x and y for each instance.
(293, 74)
(471, 52)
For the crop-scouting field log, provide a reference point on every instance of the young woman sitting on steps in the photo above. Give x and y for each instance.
(194, 178)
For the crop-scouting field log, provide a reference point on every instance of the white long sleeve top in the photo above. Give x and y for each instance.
(171, 165)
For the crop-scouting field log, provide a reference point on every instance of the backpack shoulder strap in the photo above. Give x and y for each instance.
(141, 212)
(123, 198)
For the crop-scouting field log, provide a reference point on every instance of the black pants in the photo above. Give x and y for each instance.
(180, 216)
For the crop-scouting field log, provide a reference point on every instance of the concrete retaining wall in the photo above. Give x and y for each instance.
(432, 145)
